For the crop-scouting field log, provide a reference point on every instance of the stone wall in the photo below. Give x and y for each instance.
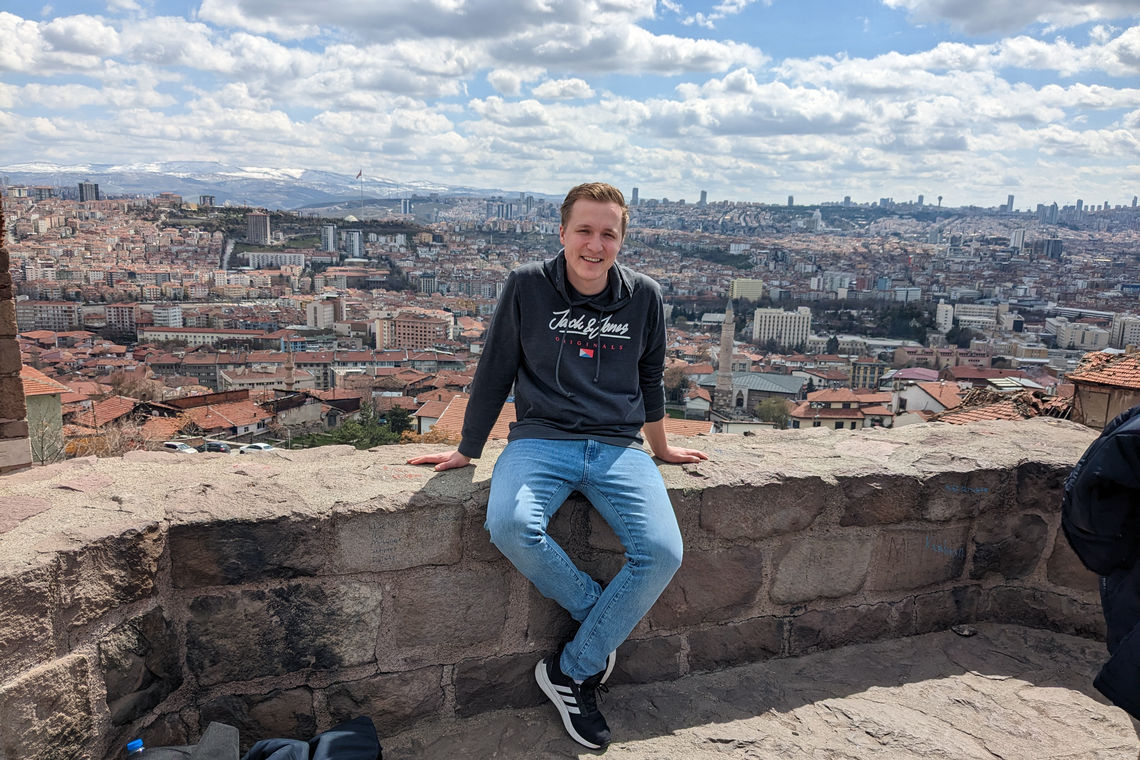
(15, 447)
(284, 592)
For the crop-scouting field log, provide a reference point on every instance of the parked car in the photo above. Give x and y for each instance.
(256, 448)
(220, 447)
(179, 447)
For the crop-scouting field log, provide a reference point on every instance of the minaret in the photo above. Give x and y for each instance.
(289, 367)
(722, 395)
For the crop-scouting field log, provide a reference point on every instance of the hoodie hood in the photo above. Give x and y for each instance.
(618, 292)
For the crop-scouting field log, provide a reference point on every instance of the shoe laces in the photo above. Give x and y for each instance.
(588, 692)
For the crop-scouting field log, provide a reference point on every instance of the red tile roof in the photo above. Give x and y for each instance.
(107, 410)
(432, 409)
(987, 404)
(1120, 371)
(36, 383)
(947, 394)
(227, 415)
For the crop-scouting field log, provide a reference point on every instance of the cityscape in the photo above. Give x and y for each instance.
(168, 318)
(250, 257)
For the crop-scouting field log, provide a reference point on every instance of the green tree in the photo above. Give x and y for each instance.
(399, 419)
(832, 345)
(676, 383)
(774, 410)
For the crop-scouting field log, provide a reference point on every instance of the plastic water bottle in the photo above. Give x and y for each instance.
(135, 748)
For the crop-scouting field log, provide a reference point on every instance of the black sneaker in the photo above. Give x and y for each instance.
(576, 703)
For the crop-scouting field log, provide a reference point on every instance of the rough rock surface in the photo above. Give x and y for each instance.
(1007, 693)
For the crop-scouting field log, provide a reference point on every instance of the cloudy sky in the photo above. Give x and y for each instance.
(747, 99)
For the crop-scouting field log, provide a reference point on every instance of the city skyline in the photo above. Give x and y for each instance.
(749, 101)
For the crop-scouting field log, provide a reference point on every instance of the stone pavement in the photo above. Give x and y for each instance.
(1007, 693)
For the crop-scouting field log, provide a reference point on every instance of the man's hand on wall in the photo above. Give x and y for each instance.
(445, 461)
(678, 455)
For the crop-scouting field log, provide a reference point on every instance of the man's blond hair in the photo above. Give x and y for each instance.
(596, 191)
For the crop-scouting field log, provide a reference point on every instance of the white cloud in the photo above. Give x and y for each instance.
(23, 43)
(1003, 16)
(81, 34)
(720, 11)
(563, 89)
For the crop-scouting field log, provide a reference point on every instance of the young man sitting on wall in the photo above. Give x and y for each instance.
(581, 339)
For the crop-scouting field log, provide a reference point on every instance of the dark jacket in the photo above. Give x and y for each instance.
(581, 366)
(1100, 511)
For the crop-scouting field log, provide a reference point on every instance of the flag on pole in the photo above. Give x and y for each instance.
(360, 174)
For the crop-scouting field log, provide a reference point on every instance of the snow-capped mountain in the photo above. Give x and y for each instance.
(272, 188)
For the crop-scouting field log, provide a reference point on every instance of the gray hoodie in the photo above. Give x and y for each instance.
(581, 366)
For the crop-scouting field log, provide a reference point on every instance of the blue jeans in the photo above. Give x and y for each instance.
(531, 480)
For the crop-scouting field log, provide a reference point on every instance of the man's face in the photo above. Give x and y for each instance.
(591, 237)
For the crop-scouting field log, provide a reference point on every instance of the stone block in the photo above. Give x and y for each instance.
(1040, 485)
(240, 635)
(141, 665)
(47, 715)
(169, 730)
(881, 499)
(477, 546)
(449, 607)
(758, 511)
(26, 609)
(497, 683)
(15, 509)
(109, 572)
(602, 536)
(1007, 545)
(725, 646)
(383, 541)
(15, 428)
(1041, 609)
(829, 567)
(231, 553)
(960, 495)
(1065, 568)
(9, 359)
(547, 623)
(645, 660)
(7, 318)
(570, 527)
(911, 559)
(710, 586)
(939, 610)
(394, 701)
(12, 406)
(828, 629)
(286, 714)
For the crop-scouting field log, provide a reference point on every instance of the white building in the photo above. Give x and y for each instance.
(320, 314)
(167, 315)
(743, 287)
(788, 328)
(1125, 330)
(328, 238)
(257, 228)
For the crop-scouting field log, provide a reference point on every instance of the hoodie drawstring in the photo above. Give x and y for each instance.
(558, 364)
(598, 358)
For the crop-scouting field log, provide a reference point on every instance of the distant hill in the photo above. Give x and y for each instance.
(245, 186)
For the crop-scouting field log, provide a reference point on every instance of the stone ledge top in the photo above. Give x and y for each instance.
(59, 507)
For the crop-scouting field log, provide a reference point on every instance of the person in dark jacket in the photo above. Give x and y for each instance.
(1100, 514)
(581, 339)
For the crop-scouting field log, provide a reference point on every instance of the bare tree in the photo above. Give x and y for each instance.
(45, 436)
